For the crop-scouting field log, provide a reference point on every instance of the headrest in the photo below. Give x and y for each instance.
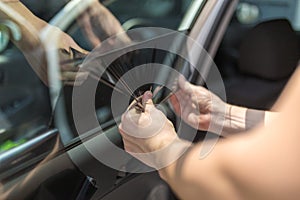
(270, 50)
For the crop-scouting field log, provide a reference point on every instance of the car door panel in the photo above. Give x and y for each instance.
(147, 186)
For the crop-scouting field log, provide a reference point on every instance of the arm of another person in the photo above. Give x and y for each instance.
(30, 27)
(261, 165)
(99, 24)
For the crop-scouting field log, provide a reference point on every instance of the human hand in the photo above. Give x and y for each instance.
(34, 49)
(197, 106)
(68, 51)
(147, 132)
(99, 23)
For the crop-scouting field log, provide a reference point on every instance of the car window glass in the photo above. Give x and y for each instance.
(25, 107)
(24, 99)
(254, 11)
(90, 29)
(247, 13)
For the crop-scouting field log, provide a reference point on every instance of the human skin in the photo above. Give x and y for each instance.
(31, 45)
(97, 22)
(200, 108)
(262, 164)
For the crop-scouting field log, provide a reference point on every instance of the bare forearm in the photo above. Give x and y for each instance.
(178, 177)
(192, 176)
(26, 21)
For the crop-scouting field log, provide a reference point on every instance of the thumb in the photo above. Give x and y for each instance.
(147, 98)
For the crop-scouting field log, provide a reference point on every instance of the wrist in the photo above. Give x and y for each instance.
(237, 118)
(253, 118)
(170, 156)
(234, 119)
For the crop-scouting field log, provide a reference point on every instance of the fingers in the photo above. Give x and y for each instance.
(69, 68)
(146, 101)
(143, 124)
(147, 98)
(74, 78)
(138, 117)
(175, 104)
(179, 101)
(184, 85)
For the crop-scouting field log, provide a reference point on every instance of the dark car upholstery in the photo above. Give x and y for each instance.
(266, 57)
(269, 51)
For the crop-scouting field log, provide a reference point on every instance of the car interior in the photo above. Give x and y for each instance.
(27, 116)
(259, 51)
(256, 59)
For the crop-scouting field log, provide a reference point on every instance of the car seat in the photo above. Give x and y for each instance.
(268, 55)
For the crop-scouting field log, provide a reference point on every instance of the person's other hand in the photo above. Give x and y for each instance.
(68, 51)
(99, 23)
(146, 132)
(33, 49)
(196, 105)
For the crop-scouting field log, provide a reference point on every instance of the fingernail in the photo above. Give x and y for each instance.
(146, 96)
